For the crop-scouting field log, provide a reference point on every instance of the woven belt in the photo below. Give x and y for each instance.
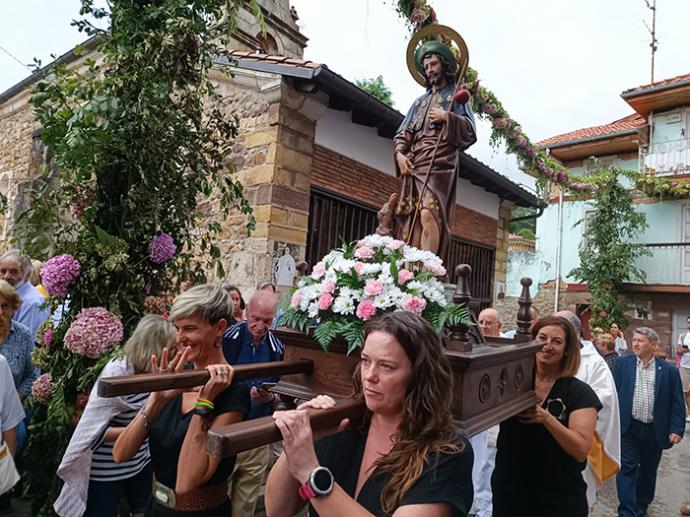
(200, 499)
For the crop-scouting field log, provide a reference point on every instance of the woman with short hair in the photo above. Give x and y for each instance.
(94, 483)
(188, 482)
(543, 450)
(406, 458)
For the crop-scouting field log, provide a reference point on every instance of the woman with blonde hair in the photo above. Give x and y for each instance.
(543, 450)
(94, 483)
(188, 482)
(406, 458)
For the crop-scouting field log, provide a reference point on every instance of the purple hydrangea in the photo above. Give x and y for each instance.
(42, 388)
(162, 248)
(58, 273)
(93, 331)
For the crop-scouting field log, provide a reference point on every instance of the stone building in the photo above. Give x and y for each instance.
(315, 158)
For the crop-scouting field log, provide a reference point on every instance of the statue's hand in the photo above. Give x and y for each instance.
(404, 163)
(438, 115)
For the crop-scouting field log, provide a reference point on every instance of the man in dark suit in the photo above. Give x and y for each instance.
(652, 409)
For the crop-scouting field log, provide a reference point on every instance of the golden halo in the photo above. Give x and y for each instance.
(437, 30)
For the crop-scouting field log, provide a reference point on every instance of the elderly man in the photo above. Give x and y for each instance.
(16, 269)
(652, 413)
(252, 341)
(484, 443)
(603, 461)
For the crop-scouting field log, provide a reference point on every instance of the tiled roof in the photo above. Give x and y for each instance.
(658, 84)
(622, 126)
(278, 60)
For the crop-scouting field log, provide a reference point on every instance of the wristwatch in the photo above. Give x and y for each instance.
(319, 484)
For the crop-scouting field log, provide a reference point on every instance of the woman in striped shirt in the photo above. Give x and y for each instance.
(94, 483)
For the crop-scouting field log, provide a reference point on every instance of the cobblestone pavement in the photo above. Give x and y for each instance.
(672, 485)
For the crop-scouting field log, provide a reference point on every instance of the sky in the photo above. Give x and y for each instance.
(556, 65)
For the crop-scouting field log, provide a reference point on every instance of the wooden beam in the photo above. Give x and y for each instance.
(243, 436)
(656, 288)
(148, 382)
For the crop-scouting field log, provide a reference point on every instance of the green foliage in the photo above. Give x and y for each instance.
(607, 258)
(377, 88)
(530, 225)
(139, 142)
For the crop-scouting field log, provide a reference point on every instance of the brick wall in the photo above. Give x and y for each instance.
(345, 176)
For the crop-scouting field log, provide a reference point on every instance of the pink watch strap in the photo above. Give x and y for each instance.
(306, 493)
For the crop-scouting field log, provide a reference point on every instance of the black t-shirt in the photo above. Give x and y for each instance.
(167, 435)
(446, 478)
(534, 476)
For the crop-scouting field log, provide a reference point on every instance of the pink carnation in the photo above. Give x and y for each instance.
(325, 301)
(364, 252)
(404, 275)
(328, 286)
(58, 273)
(394, 244)
(318, 271)
(373, 287)
(296, 299)
(93, 331)
(365, 310)
(414, 304)
(359, 266)
(435, 267)
(42, 388)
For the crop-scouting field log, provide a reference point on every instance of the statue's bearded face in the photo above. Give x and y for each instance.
(433, 70)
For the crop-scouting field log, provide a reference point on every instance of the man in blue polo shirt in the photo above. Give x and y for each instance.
(16, 268)
(250, 342)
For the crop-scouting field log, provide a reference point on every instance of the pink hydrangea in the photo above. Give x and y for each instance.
(328, 286)
(394, 244)
(365, 310)
(42, 388)
(93, 331)
(373, 287)
(414, 304)
(58, 273)
(162, 248)
(325, 301)
(318, 271)
(48, 337)
(296, 299)
(364, 252)
(405, 275)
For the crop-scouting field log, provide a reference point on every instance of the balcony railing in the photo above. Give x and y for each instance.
(667, 263)
(666, 158)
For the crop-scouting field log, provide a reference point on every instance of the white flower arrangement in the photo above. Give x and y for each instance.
(376, 274)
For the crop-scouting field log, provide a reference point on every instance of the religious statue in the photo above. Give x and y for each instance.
(285, 269)
(427, 147)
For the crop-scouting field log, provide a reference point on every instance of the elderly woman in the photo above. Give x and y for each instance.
(542, 451)
(188, 482)
(94, 483)
(17, 345)
(405, 459)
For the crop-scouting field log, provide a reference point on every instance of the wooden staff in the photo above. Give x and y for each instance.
(148, 382)
(243, 436)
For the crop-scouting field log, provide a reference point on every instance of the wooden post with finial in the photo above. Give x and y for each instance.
(524, 315)
(458, 339)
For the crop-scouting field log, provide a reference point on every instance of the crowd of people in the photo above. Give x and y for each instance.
(606, 409)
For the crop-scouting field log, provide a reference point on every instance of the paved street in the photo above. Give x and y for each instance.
(672, 488)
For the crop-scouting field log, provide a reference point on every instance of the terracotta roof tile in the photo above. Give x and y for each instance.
(281, 60)
(664, 82)
(623, 125)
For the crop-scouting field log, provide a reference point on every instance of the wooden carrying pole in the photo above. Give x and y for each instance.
(243, 436)
(148, 382)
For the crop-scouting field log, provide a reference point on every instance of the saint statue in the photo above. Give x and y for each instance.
(285, 269)
(427, 151)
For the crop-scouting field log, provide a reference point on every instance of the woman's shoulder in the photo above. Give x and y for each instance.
(579, 394)
(21, 331)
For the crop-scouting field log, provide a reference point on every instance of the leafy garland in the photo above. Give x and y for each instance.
(534, 159)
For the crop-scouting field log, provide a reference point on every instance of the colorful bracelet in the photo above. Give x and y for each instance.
(201, 399)
(205, 404)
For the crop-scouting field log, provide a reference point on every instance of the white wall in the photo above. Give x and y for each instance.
(336, 131)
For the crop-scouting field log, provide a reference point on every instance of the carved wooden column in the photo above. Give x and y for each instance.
(524, 315)
(458, 338)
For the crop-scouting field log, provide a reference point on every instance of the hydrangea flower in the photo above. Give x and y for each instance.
(93, 331)
(42, 388)
(58, 273)
(162, 248)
